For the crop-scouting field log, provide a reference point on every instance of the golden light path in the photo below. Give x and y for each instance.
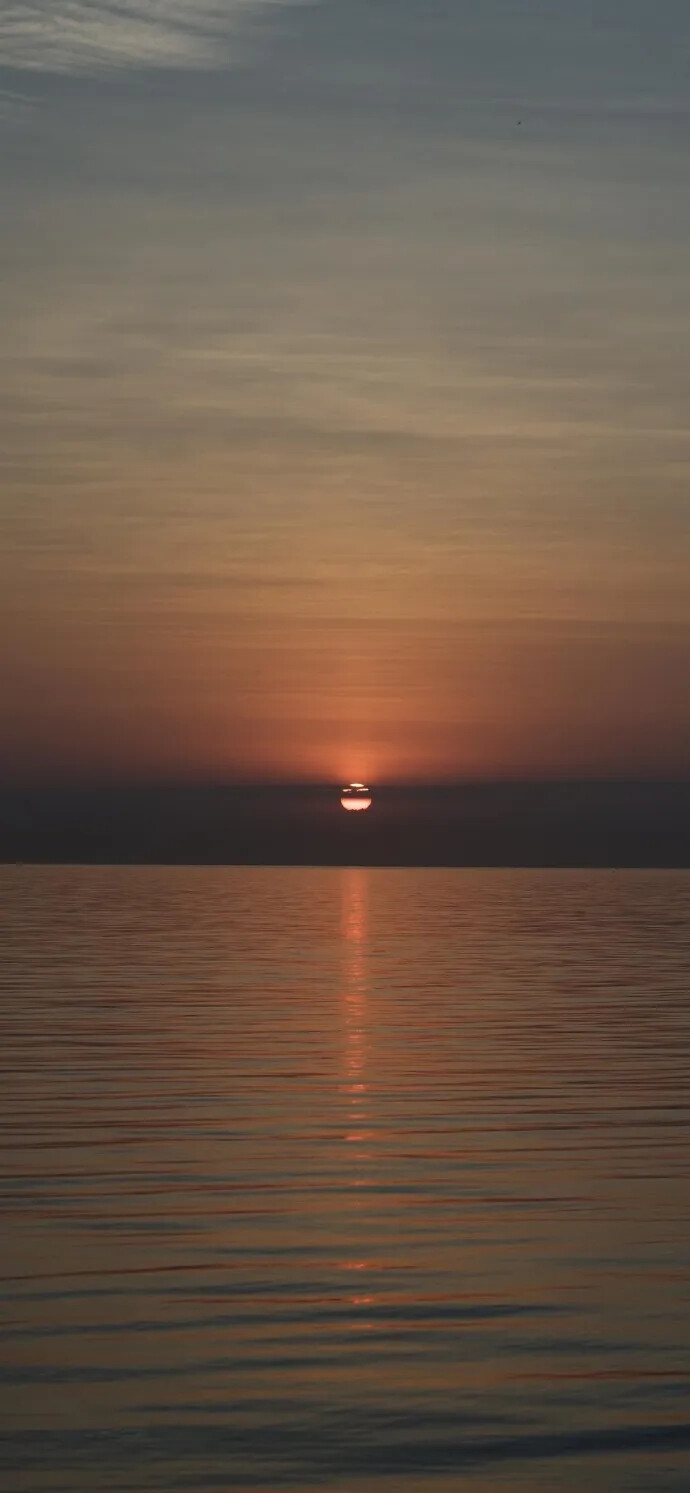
(356, 796)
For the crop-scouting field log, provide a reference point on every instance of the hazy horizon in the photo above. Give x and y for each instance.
(472, 824)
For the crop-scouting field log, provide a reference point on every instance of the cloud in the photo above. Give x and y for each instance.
(15, 106)
(85, 36)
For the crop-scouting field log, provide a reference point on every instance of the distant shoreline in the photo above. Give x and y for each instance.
(583, 825)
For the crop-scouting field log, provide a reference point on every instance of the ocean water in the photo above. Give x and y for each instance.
(344, 1179)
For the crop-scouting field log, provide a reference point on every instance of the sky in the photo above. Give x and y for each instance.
(344, 389)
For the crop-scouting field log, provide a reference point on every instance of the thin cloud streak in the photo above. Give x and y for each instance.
(79, 36)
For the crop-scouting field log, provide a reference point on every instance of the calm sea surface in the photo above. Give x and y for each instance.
(344, 1179)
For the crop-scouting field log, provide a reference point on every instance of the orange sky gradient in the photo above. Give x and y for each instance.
(345, 436)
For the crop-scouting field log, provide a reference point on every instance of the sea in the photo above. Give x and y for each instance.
(344, 1179)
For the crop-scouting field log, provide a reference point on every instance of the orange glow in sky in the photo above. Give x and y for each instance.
(399, 490)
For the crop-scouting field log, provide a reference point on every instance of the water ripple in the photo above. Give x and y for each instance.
(359, 1179)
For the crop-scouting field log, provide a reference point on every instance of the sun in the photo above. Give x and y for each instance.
(355, 796)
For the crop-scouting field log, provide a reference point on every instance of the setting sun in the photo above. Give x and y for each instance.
(355, 796)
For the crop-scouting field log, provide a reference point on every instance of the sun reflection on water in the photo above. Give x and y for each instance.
(358, 1133)
(355, 980)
